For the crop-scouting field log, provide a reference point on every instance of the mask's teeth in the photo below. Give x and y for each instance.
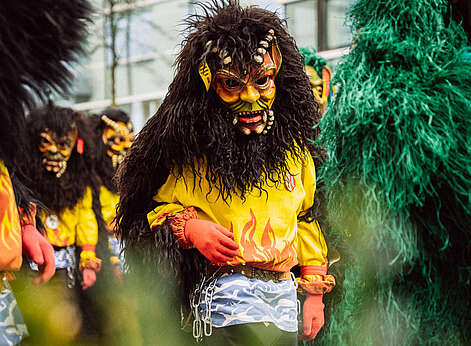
(265, 117)
(259, 129)
(245, 131)
(234, 122)
(120, 158)
(63, 166)
(114, 160)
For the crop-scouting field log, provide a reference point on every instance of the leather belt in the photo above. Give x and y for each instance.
(251, 272)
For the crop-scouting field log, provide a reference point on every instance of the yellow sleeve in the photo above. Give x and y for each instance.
(109, 201)
(312, 249)
(168, 202)
(87, 227)
(159, 214)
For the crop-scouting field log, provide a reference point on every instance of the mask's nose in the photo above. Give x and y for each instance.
(249, 94)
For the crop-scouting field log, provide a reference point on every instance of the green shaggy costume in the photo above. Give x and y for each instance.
(398, 177)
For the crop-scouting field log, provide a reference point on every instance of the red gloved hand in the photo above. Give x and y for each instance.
(89, 278)
(215, 242)
(313, 316)
(41, 252)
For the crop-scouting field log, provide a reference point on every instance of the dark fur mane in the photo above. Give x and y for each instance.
(38, 41)
(64, 192)
(192, 123)
(104, 165)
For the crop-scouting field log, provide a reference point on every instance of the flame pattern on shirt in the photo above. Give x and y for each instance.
(10, 228)
(266, 254)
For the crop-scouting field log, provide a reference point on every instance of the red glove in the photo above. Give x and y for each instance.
(215, 242)
(313, 316)
(36, 247)
(89, 278)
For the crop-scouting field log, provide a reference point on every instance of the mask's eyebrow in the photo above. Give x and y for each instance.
(262, 70)
(49, 136)
(45, 135)
(229, 74)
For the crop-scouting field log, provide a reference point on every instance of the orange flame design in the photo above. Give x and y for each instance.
(266, 255)
(10, 229)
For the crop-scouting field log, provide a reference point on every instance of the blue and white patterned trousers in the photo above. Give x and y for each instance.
(236, 299)
(12, 327)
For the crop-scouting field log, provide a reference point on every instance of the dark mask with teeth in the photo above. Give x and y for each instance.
(56, 150)
(250, 94)
(117, 137)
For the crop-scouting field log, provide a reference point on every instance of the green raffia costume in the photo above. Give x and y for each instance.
(398, 178)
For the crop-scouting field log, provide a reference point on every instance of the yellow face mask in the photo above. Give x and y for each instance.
(117, 136)
(56, 151)
(320, 86)
(250, 95)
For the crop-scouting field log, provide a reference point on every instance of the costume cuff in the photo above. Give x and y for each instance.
(28, 218)
(114, 260)
(178, 222)
(313, 270)
(314, 280)
(89, 260)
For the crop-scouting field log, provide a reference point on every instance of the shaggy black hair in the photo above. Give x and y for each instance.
(104, 165)
(194, 124)
(39, 38)
(64, 192)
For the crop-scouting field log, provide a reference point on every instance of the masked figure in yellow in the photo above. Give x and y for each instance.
(113, 135)
(60, 163)
(218, 188)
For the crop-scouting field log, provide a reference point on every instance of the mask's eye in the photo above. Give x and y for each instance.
(118, 139)
(231, 83)
(44, 141)
(262, 81)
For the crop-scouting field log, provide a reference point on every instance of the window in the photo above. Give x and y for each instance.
(338, 34)
(136, 35)
(318, 23)
(301, 17)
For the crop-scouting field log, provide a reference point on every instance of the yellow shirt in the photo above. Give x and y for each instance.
(265, 225)
(109, 200)
(75, 225)
(10, 228)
